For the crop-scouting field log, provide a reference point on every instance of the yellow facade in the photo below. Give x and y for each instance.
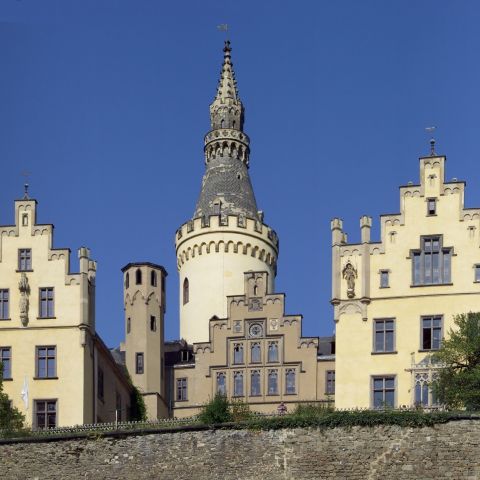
(48, 344)
(406, 290)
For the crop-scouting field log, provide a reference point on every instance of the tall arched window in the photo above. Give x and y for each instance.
(153, 278)
(138, 277)
(221, 383)
(127, 280)
(255, 353)
(255, 383)
(186, 291)
(272, 382)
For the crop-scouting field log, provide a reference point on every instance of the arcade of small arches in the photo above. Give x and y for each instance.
(227, 148)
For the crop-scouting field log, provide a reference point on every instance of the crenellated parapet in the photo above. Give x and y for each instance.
(227, 143)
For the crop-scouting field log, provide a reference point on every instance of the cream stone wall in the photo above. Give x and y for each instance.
(255, 307)
(71, 328)
(213, 258)
(406, 303)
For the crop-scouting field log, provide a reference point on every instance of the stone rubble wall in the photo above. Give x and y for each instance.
(446, 451)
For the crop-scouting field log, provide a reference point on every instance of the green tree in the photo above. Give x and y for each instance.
(10, 418)
(458, 383)
(216, 410)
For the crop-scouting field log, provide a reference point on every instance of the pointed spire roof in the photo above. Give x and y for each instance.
(227, 86)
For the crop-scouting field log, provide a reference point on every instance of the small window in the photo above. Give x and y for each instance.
(46, 309)
(273, 382)
(255, 390)
(127, 280)
(153, 323)
(186, 291)
(238, 384)
(273, 351)
(25, 259)
(384, 335)
(290, 387)
(237, 353)
(256, 353)
(129, 325)
(25, 219)
(431, 332)
(383, 391)
(384, 279)
(4, 304)
(181, 389)
(221, 383)
(330, 382)
(476, 268)
(100, 384)
(432, 206)
(45, 414)
(139, 363)
(6, 362)
(153, 278)
(138, 277)
(46, 362)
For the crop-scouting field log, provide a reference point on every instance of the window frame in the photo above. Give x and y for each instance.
(383, 377)
(138, 276)
(238, 374)
(49, 302)
(153, 278)
(2, 361)
(444, 253)
(223, 390)
(287, 372)
(259, 350)
(276, 344)
(46, 358)
(270, 372)
(185, 291)
(258, 376)
(432, 328)
(238, 347)
(36, 402)
(153, 323)
(330, 382)
(476, 270)
(139, 366)
(377, 321)
(181, 389)
(431, 212)
(384, 274)
(25, 260)
(4, 304)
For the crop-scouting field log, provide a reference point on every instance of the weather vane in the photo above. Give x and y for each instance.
(430, 130)
(26, 174)
(223, 27)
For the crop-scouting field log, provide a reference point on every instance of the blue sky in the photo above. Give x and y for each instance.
(106, 104)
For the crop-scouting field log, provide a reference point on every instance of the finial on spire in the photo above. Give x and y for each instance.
(432, 140)
(25, 185)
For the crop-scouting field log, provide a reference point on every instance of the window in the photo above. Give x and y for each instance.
(25, 219)
(181, 389)
(237, 353)
(129, 325)
(424, 395)
(255, 383)
(432, 264)
(46, 309)
(383, 391)
(6, 361)
(431, 332)
(238, 384)
(186, 291)
(221, 383)
(476, 268)
(330, 382)
(153, 323)
(45, 414)
(153, 278)
(46, 362)
(25, 259)
(4, 304)
(273, 382)
(139, 363)
(384, 279)
(432, 206)
(290, 381)
(127, 280)
(256, 353)
(273, 351)
(100, 384)
(384, 335)
(138, 277)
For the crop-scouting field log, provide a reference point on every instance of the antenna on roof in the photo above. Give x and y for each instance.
(430, 130)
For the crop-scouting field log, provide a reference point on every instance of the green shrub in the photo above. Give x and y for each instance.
(312, 410)
(11, 420)
(138, 410)
(216, 410)
(240, 411)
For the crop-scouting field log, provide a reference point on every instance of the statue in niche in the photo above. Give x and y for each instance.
(349, 273)
(24, 288)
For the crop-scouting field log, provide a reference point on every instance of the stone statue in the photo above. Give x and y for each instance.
(24, 301)
(350, 274)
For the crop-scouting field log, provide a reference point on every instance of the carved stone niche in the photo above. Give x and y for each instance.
(349, 273)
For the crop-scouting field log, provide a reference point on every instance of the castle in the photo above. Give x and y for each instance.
(393, 300)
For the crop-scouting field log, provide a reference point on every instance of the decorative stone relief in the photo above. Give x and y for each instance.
(274, 324)
(255, 304)
(24, 288)
(237, 326)
(349, 273)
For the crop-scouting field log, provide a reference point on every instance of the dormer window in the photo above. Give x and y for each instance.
(432, 263)
(432, 206)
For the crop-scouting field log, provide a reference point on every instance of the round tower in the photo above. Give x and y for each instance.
(144, 304)
(226, 236)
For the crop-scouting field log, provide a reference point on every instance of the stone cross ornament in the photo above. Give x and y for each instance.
(349, 273)
(24, 288)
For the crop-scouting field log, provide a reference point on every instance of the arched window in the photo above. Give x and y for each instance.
(237, 353)
(153, 278)
(272, 382)
(255, 383)
(255, 353)
(238, 384)
(127, 280)
(273, 352)
(221, 383)
(186, 291)
(138, 277)
(290, 381)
